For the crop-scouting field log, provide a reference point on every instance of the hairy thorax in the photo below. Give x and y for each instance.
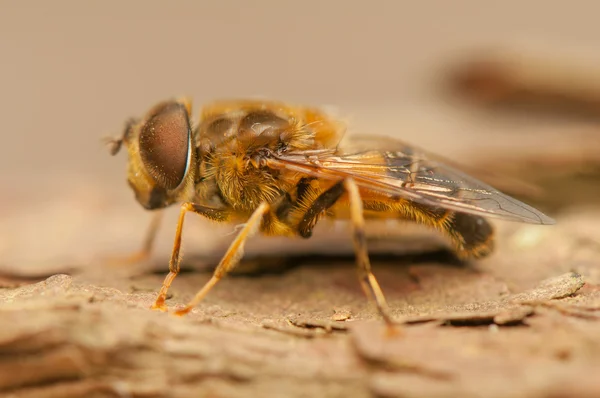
(232, 145)
(243, 185)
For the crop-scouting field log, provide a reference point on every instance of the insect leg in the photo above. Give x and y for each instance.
(318, 206)
(151, 234)
(148, 244)
(325, 201)
(231, 258)
(366, 277)
(174, 263)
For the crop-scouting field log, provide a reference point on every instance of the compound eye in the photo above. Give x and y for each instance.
(164, 143)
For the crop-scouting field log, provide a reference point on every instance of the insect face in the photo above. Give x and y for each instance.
(161, 157)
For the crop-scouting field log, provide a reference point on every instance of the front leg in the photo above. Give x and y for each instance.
(174, 263)
(231, 257)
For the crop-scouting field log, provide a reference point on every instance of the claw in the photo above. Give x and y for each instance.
(159, 305)
(392, 331)
(183, 311)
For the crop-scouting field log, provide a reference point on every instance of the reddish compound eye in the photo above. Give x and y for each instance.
(164, 144)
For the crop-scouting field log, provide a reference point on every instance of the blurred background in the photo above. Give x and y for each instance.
(73, 72)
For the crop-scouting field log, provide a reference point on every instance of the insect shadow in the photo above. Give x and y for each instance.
(261, 265)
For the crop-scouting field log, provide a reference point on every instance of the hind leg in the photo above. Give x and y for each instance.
(365, 275)
(326, 200)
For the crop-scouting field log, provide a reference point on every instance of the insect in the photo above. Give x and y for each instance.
(278, 169)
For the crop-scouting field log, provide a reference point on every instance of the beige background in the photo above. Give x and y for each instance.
(74, 71)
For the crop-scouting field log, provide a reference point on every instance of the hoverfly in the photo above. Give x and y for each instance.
(278, 169)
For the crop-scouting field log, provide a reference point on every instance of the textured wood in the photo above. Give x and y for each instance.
(522, 323)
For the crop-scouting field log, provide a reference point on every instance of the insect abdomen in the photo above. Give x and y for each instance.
(473, 235)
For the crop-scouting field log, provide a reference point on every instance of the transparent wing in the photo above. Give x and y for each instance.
(391, 167)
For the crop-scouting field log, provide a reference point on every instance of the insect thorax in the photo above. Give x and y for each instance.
(232, 147)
